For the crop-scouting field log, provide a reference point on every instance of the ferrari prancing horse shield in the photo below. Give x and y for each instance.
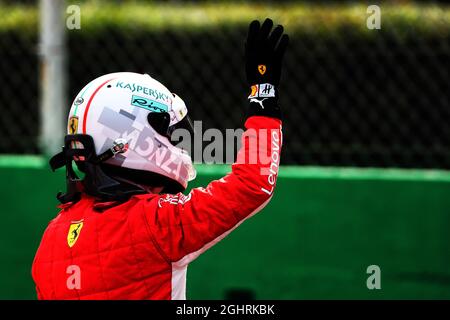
(262, 68)
(74, 233)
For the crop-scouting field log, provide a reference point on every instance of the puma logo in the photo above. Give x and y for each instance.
(258, 101)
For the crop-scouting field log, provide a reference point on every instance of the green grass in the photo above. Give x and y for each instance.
(298, 18)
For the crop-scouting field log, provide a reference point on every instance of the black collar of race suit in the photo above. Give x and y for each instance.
(81, 149)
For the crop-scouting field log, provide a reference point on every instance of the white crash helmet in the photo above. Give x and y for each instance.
(131, 116)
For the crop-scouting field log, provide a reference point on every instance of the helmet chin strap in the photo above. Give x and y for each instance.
(95, 182)
(119, 146)
(148, 189)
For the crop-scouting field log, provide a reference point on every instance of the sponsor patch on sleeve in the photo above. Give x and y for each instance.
(265, 90)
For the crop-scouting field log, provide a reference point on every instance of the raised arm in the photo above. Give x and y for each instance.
(185, 226)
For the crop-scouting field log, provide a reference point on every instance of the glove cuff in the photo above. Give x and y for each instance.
(263, 101)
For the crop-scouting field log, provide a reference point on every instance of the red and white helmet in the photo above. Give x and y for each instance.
(125, 107)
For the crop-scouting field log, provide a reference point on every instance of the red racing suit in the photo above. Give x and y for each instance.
(140, 249)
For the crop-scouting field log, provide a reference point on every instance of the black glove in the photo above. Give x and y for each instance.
(263, 56)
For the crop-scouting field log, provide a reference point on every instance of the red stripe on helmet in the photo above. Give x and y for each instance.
(89, 103)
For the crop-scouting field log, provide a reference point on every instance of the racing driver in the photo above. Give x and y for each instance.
(125, 230)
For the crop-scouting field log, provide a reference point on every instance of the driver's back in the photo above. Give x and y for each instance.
(101, 251)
